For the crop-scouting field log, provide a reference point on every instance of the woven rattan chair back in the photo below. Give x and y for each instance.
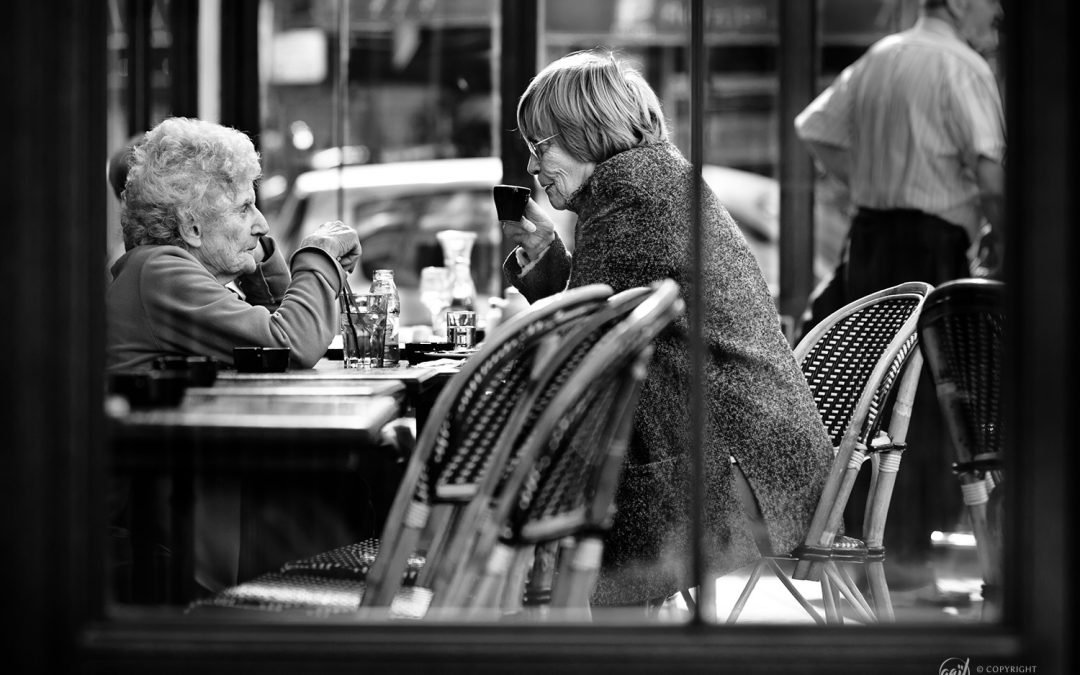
(962, 329)
(846, 359)
(564, 482)
(460, 437)
(458, 477)
(853, 362)
(962, 334)
(561, 360)
(839, 356)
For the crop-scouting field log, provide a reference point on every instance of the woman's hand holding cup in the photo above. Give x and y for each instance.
(533, 233)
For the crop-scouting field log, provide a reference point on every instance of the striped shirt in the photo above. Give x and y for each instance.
(915, 113)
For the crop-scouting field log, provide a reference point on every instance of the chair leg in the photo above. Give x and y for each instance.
(751, 583)
(688, 598)
(991, 608)
(773, 566)
(384, 580)
(831, 598)
(577, 575)
(440, 523)
(538, 586)
(853, 591)
(513, 590)
(875, 575)
(489, 585)
(838, 587)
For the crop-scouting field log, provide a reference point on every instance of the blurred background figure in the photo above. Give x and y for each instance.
(116, 171)
(916, 130)
(116, 168)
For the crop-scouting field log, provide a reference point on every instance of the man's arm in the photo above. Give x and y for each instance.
(833, 159)
(823, 126)
(990, 175)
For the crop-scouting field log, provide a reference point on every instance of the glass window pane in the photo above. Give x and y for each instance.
(411, 150)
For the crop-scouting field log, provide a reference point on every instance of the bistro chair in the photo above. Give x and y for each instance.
(456, 479)
(962, 335)
(560, 495)
(861, 361)
(547, 381)
(467, 418)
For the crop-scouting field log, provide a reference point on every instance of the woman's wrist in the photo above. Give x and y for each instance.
(527, 261)
(534, 253)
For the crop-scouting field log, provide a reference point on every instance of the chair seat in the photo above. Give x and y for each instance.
(277, 592)
(352, 561)
(310, 595)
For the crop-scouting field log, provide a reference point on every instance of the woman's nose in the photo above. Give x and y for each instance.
(261, 227)
(533, 167)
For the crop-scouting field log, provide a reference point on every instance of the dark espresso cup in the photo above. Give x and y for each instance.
(510, 201)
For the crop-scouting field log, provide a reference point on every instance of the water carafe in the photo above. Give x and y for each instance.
(457, 248)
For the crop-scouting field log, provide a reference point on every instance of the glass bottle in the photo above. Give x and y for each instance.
(384, 283)
(457, 248)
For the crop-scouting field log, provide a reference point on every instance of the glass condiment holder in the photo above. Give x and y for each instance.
(457, 248)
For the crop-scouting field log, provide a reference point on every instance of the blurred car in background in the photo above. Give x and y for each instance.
(398, 208)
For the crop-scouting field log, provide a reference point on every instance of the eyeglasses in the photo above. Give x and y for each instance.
(534, 148)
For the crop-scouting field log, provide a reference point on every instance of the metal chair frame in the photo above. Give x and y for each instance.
(852, 361)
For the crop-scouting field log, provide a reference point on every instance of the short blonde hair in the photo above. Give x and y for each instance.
(598, 105)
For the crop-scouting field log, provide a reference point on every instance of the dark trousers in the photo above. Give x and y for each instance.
(886, 248)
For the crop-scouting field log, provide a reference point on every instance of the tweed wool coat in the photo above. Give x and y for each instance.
(633, 228)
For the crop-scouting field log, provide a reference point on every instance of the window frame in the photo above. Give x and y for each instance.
(53, 495)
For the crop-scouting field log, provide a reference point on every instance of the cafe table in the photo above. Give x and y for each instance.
(421, 382)
(323, 419)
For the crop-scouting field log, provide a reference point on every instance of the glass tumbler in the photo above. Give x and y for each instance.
(363, 329)
(461, 329)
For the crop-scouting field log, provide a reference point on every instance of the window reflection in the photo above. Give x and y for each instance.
(419, 115)
(421, 89)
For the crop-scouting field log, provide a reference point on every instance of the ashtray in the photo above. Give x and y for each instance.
(149, 388)
(261, 359)
(415, 352)
(201, 371)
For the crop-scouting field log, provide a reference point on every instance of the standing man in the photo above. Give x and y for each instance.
(915, 129)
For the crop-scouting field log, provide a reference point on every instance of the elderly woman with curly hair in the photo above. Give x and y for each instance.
(200, 277)
(599, 148)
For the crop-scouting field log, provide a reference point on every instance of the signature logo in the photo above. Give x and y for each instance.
(955, 666)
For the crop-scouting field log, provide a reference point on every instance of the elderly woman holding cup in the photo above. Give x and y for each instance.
(599, 147)
(200, 278)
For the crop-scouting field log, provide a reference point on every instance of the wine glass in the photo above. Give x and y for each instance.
(435, 294)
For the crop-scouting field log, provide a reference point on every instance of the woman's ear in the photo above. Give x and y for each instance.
(191, 233)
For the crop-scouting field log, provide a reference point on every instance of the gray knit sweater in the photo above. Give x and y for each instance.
(634, 219)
